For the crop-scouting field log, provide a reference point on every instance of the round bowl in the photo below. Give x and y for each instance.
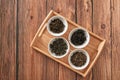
(64, 22)
(81, 67)
(53, 54)
(82, 45)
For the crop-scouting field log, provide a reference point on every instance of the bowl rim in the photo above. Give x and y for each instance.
(85, 43)
(64, 22)
(82, 67)
(53, 39)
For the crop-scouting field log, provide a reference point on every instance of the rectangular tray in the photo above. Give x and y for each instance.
(42, 38)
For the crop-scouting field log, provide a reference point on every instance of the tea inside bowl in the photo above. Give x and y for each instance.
(78, 37)
(56, 26)
(58, 47)
(78, 59)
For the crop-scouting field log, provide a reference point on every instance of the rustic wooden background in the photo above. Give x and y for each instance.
(20, 19)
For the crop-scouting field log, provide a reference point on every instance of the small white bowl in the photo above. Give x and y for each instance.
(81, 67)
(85, 43)
(64, 22)
(53, 54)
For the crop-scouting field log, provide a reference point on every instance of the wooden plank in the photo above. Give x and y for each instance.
(7, 40)
(32, 65)
(84, 18)
(84, 13)
(115, 22)
(52, 66)
(67, 9)
(101, 26)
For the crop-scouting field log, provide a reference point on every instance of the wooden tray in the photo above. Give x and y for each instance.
(42, 37)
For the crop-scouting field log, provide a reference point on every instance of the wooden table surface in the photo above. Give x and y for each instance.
(20, 19)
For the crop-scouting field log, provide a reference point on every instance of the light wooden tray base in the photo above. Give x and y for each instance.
(42, 38)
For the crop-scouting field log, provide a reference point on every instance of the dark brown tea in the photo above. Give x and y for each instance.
(78, 59)
(78, 37)
(59, 46)
(56, 26)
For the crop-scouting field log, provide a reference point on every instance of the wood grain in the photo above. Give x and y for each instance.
(52, 66)
(84, 18)
(84, 13)
(7, 40)
(66, 8)
(101, 26)
(32, 66)
(20, 19)
(115, 22)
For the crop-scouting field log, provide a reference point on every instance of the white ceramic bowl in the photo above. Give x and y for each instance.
(53, 54)
(64, 22)
(81, 67)
(85, 43)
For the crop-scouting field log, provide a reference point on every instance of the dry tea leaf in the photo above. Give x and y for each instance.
(56, 26)
(59, 46)
(78, 59)
(78, 37)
